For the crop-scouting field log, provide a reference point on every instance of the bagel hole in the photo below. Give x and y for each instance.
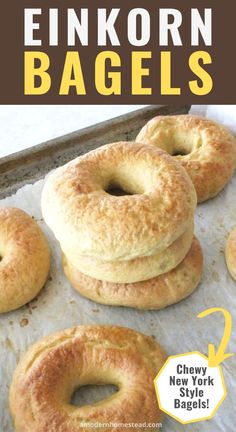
(180, 152)
(184, 145)
(127, 187)
(91, 394)
(116, 191)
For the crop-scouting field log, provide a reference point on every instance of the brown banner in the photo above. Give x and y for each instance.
(221, 70)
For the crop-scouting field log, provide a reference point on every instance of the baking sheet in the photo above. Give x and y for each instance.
(34, 163)
(177, 328)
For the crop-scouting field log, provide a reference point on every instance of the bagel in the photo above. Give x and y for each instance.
(156, 293)
(86, 218)
(56, 366)
(205, 149)
(230, 253)
(25, 259)
(138, 269)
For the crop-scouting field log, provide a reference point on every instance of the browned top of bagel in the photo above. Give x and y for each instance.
(84, 217)
(25, 258)
(54, 367)
(206, 149)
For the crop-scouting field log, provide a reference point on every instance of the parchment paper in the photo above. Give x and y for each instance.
(177, 328)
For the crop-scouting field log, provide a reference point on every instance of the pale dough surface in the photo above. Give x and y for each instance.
(138, 269)
(155, 293)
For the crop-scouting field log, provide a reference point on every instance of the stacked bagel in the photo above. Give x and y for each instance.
(132, 249)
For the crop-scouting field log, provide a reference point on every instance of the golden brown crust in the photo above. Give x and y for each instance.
(85, 218)
(53, 368)
(230, 253)
(206, 149)
(138, 269)
(156, 293)
(25, 259)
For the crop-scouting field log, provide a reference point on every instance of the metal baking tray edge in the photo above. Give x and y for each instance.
(34, 163)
